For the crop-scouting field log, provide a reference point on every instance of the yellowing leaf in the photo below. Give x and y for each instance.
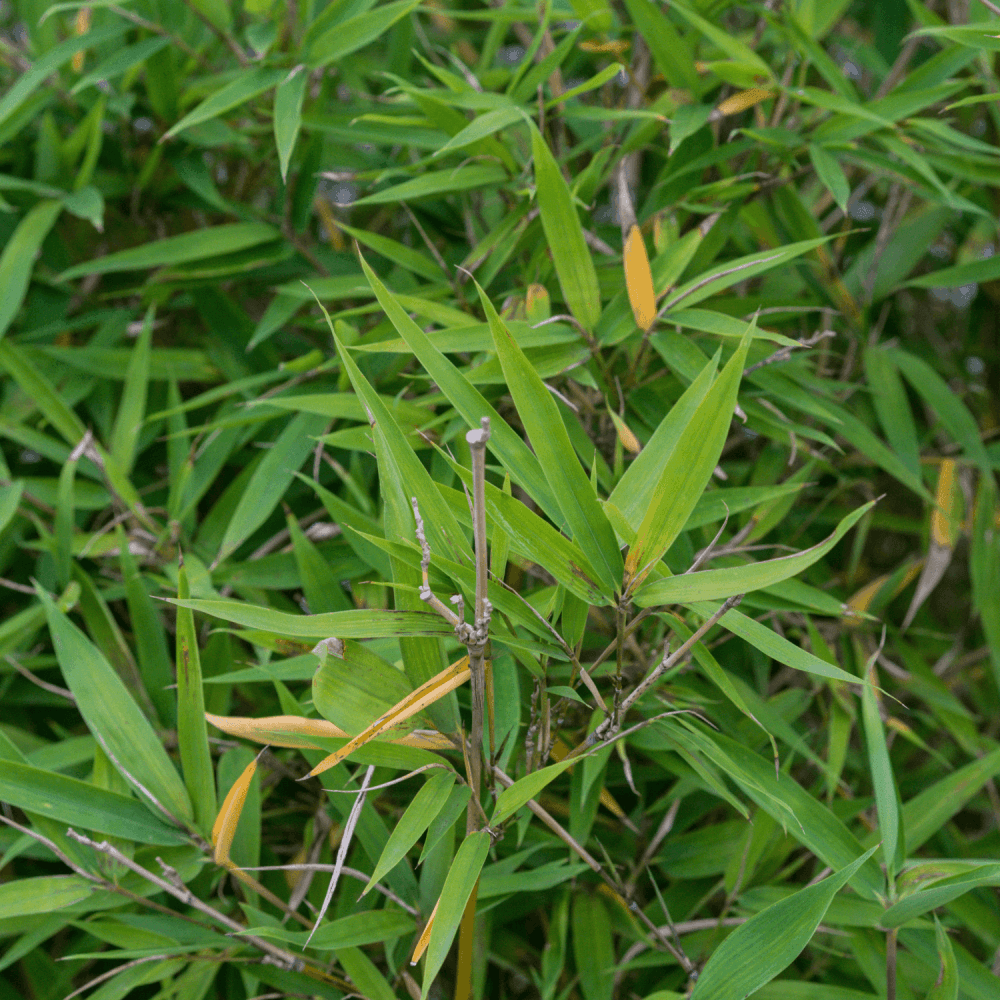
(224, 828)
(862, 600)
(425, 937)
(416, 701)
(741, 101)
(295, 731)
(639, 280)
(942, 522)
(629, 441)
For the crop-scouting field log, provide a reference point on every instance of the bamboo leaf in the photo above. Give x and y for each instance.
(686, 471)
(564, 234)
(715, 584)
(19, 254)
(224, 828)
(247, 85)
(412, 704)
(459, 885)
(770, 940)
(192, 735)
(83, 805)
(368, 624)
(114, 718)
(639, 280)
(568, 482)
(288, 115)
(419, 815)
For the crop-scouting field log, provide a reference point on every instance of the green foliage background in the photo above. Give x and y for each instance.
(214, 415)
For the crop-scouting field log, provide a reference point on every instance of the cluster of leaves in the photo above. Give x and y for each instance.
(719, 276)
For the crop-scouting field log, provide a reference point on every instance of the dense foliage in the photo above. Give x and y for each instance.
(689, 310)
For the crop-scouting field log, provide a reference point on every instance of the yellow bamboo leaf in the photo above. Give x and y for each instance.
(942, 531)
(615, 47)
(862, 600)
(81, 26)
(629, 441)
(295, 731)
(639, 280)
(740, 101)
(278, 730)
(333, 233)
(425, 937)
(224, 828)
(416, 701)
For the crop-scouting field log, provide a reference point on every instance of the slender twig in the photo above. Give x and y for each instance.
(35, 679)
(607, 730)
(286, 959)
(360, 876)
(223, 36)
(478, 638)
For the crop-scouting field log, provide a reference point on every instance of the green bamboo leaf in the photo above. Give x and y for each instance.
(736, 50)
(355, 687)
(370, 623)
(19, 255)
(564, 235)
(954, 414)
(947, 984)
(121, 62)
(355, 33)
(351, 931)
(435, 182)
(814, 825)
(182, 249)
(25, 897)
(893, 408)
(593, 947)
(192, 732)
(247, 85)
(37, 387)
(467, 400)
(132, 409)
(288, 115)
(10, 500)
(419, 815)
(155, 667)
(940, 893)
(443, 532)
(890, 820)
(31, 79)
(636, 489)
(511, 799)
(320, 585)
(270, 479)
(83, 805)
(547, 433)
(114, 718)
(458, 887)
(395, 251)
(482, 127)
(770, 940)
(670, 51)
(928, 811)
(687, 470)
(715, 584)
(830, 172)
(858, 434)
(364, 974)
